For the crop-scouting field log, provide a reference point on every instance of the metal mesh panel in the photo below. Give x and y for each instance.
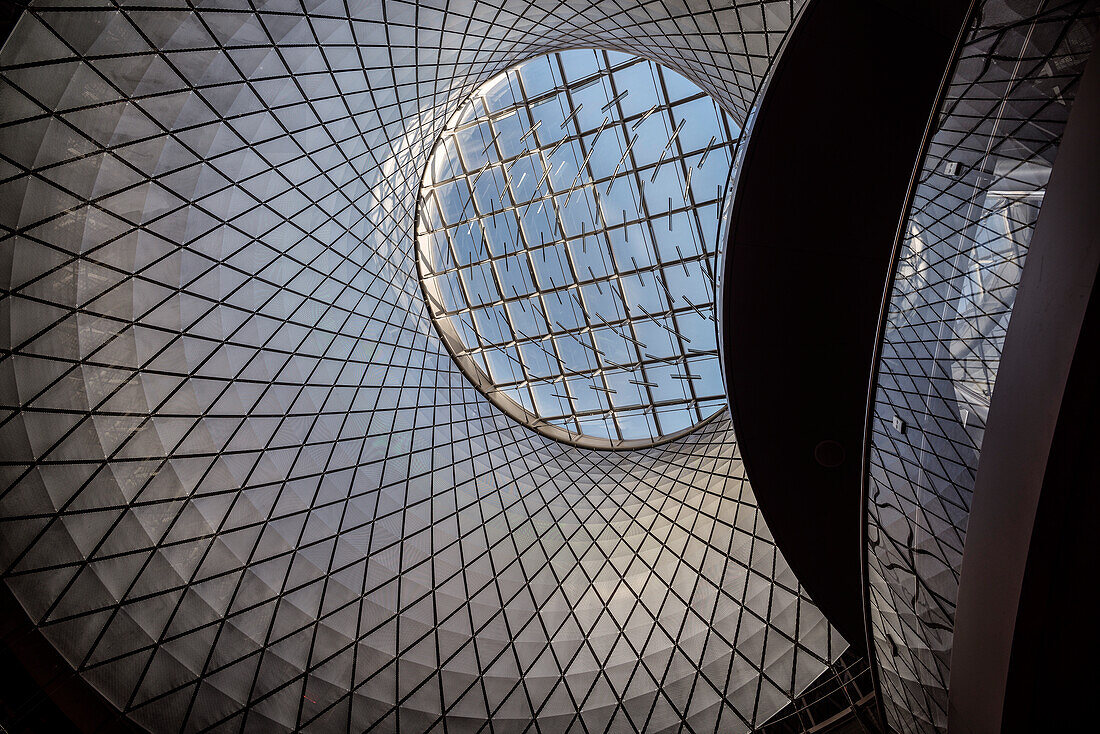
(245, 485)
(980, 190)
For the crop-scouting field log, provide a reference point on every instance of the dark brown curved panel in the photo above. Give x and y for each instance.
(819, 195)
(1054, 649)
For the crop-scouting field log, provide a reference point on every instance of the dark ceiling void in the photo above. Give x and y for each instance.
(821, 190)
(1023, 634)
(9, 15)
(41, 693)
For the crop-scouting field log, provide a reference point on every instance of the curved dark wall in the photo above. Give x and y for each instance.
(819, 196)
(1054, 647)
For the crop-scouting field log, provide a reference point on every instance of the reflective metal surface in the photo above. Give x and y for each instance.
(980, 190)
(245, 485)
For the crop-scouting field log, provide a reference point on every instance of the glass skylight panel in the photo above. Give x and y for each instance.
(567, 237)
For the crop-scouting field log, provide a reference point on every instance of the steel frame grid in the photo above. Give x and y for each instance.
(382, 439)
(958, 261)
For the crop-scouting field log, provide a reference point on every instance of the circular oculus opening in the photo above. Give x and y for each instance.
(566, 236)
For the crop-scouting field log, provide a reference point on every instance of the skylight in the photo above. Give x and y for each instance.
(566, 235)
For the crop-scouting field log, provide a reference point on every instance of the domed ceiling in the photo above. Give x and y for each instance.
(244, 482)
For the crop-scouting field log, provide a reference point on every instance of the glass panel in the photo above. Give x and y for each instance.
(553, 232)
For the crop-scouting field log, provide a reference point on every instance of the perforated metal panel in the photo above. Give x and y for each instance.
(245, 485)
(979, 194)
